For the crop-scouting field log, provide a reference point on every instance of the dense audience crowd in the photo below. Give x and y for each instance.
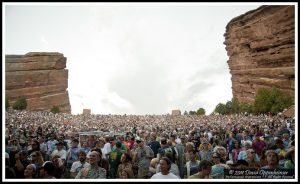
(46, 145)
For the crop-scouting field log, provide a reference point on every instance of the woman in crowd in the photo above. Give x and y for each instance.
(236, 151)
(125, 168)
(272, 159)
(37, 160)
(251, 159)
(30, 171)
(217, 170)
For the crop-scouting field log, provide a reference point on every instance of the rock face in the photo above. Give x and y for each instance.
(39, 76)
(261, 49)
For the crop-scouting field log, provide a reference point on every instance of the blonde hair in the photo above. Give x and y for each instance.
(39, 157)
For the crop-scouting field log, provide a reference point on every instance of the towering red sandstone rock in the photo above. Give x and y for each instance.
(261, 49)
(39, 76)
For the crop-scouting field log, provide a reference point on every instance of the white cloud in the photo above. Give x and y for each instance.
(133, 59)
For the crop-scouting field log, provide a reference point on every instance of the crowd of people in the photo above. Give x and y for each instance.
(45, 145)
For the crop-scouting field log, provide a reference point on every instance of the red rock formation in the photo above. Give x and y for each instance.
(261, 49)
(39, 76)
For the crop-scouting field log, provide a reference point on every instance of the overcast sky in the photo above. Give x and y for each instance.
(132, 58)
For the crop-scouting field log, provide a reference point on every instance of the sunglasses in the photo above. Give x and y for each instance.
(138, 141)
(33, 155)
(252, 152)
(215, 157)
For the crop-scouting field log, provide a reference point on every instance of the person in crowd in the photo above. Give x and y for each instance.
(290, 158)
(125, 168)
(143, 156)
(47, 170)
(243, 154)
(222, 152)
(217, 170)
(258, 144)
(43, 146)
(165, 166)
(191, 166)
(21, 162)
(272, 159)
(51, 145)
(153, 144)
(206, 151)
(37, 160)
(103, 162)
(30, 171)
(78, 165)
(236, 150)
(153, 166)
(9, 171)
(94, 171)
(105, 151)
(286, 140)
(180, 147)
(203, 171)
(84, 147)
(72, 155)
(35, 146)
(59, 167)
(165, 148)
(251, 159)
(60, 152)
(115, 159)
(174, 167)
(190, 146)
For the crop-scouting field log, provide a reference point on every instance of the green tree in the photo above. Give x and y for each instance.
(20, 104)
(186, 113)
(200, 111)
(55, 109)
(228, 107)
(244, 107)
(235, 105)
(6, 103)
(192, 113)
(271, 100)
(221, 109)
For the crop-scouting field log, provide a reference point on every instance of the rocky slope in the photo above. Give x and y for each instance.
(261, 49)
(40, 77)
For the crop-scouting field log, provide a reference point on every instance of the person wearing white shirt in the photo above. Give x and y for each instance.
(78, 165)
(165, 166)
(60, 151)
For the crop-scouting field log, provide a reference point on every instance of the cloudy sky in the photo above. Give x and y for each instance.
(132, 58)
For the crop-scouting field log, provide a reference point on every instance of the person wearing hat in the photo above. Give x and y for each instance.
(60, 151)
(47, 170)
(206, 151)
(143, 156)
